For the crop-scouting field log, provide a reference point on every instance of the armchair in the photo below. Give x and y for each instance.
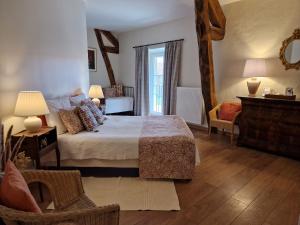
(72, 206)
(214, 121)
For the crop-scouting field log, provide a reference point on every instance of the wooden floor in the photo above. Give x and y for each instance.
(232, 186)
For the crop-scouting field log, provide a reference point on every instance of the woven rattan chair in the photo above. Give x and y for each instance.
(222, 124)
(72, 206)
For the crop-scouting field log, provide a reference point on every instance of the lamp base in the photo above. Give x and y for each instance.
(96, 101)
(253, 86)
(33, 124)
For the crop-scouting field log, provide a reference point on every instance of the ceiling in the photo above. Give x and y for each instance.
(125, 15)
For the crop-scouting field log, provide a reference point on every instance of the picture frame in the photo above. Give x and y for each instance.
(92, 59)
(289, 91)
(266, 91)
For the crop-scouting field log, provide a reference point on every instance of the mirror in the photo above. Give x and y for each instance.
(290, 51)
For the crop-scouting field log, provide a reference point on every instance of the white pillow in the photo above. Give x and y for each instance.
(76, 100)
(53, 119)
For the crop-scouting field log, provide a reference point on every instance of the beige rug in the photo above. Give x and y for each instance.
(132, 193)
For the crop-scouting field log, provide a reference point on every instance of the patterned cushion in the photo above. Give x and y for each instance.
(71, 120)
(87, 118)
(110, 92)
(95, 110)
(119, 89)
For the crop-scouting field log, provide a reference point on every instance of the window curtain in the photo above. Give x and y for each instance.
(172, 67)
(141, 105)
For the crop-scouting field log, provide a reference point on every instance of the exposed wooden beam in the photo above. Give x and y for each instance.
(210, 25)
(112, 40)
(217, 20)
(107, 49)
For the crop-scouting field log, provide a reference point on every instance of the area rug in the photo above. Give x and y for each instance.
(132, 193)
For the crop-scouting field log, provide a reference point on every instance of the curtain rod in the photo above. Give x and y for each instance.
(164, 42)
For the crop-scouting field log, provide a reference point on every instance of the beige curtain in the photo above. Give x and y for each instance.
(172, 67)
(141, 105)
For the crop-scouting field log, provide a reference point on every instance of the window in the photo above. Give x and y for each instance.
(156, 79)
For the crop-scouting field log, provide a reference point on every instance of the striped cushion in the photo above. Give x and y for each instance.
(87, 118)
(95, 110)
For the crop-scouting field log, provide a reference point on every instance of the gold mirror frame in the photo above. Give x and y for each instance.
(285, 44)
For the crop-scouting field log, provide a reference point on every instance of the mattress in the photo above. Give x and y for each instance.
(116, 139)
(113, 144)
(118, 104)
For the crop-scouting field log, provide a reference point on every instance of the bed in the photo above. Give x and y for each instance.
(160, 146)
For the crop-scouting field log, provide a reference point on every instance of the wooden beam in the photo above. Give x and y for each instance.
(210, 25)
(205, 54)
(217, 20)
(112, 40)
(107, 49)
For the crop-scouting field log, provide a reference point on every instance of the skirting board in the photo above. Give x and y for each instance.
(197, 127)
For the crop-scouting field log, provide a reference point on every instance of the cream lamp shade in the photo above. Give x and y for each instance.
(31, 104)
(254, 68)
(95, 93)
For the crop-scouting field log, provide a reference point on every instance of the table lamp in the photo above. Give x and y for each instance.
(31, 104)
(95, 93)
(254, 68)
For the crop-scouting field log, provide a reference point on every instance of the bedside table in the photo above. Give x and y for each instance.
(37, 144)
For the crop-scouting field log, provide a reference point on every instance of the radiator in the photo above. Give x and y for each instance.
(189, 105)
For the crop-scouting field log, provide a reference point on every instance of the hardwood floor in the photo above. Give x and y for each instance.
(232, 185)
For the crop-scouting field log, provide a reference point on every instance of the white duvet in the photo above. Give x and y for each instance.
(116, 139)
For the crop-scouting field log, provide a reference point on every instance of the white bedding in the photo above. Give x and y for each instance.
(116, 139)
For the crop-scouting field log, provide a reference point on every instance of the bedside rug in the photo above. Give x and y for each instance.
(132, 193)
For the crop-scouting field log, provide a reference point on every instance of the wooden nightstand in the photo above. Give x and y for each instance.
(37, 144)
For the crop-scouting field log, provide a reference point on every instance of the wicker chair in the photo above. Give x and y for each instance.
(72, 206)
(214, 121)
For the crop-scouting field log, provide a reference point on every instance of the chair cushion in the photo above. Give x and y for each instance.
(228, 110)
(71, 120)
(15, 192)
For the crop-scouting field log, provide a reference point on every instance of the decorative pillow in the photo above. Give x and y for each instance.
(53, 119)
(119, 89)
(109, 92)
(229, 110)
(87, 117)
(15, 192)
(95, 110)
(76, 100)
(71, 120)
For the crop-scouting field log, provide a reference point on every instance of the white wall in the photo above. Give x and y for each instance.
(43, 46)
(182, 28)
(100, 76)
(255, 29)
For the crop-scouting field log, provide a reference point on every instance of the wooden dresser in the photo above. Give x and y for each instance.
(270, 125)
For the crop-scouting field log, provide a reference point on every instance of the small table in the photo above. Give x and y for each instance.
(37, 144)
